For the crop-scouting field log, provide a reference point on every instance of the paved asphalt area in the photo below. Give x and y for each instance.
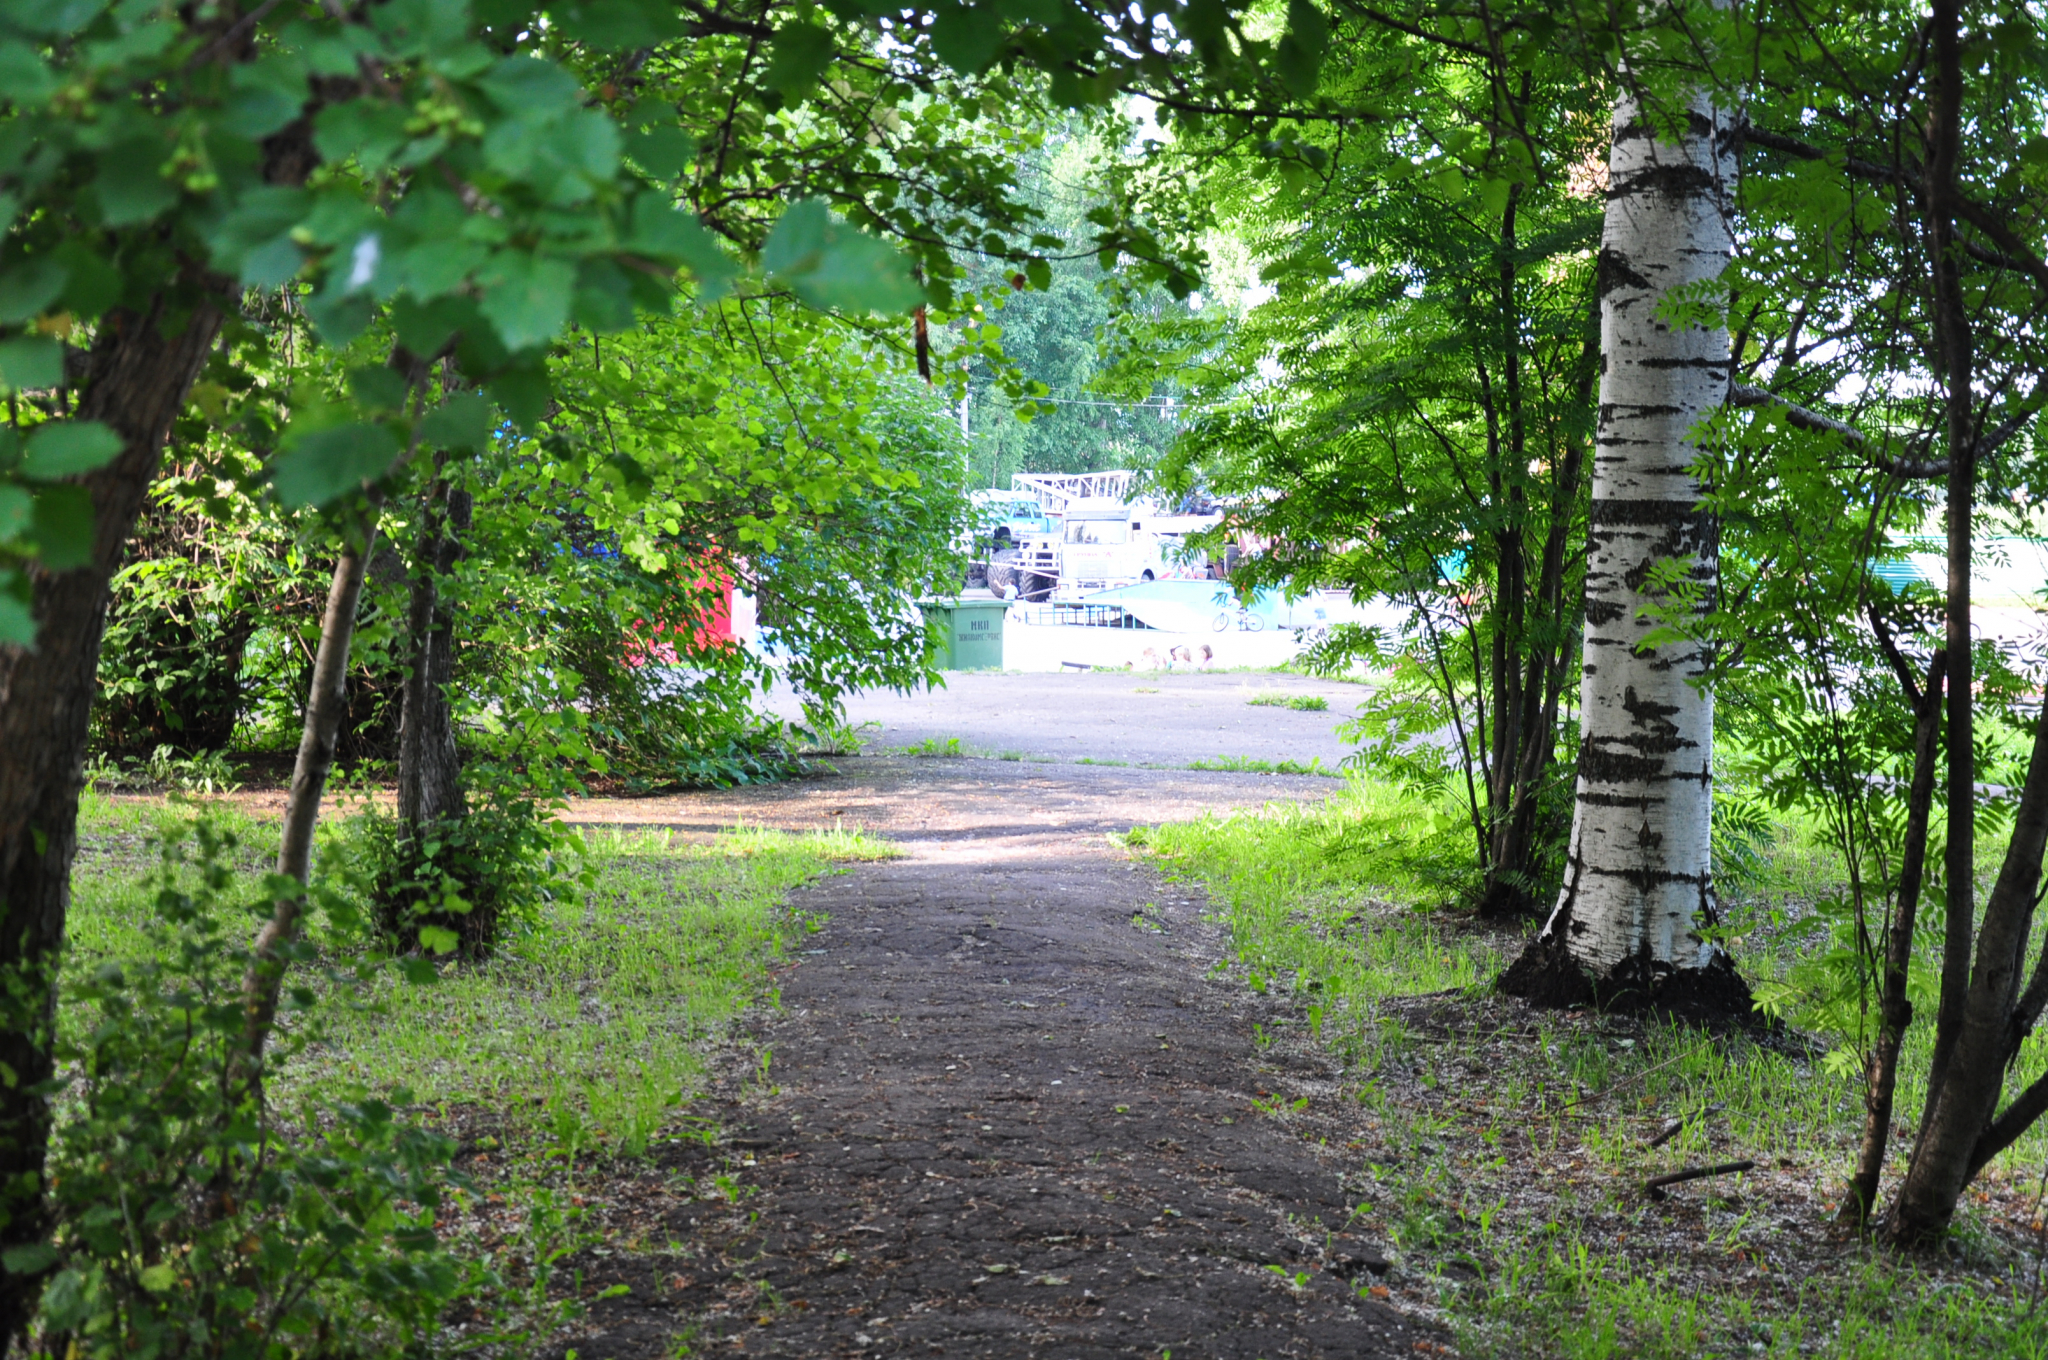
(1165, 719)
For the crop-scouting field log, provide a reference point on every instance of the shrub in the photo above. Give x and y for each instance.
(191, 1219)
(454, 885)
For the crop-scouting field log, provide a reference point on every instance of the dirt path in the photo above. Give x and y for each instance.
(1009, 1116)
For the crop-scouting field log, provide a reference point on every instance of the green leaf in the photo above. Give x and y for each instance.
(462, 422)
(669, 235)
(16, 508)
(418, 971)
(377, 387)
(528, 87)
(831, 265)
(131, 185)
(797, 56)
(28, 287)
(254, 239)
(258, 108)
(965, 39)
(339, 315)
(17, 619)
(91, 285)
(424, 327)
(321, 466)
(69, 447)
(371, 130)
(619, 25)
(1205, 22)
(604, 297)
(412, 28)
(158, 1279)
(61, 525)
(438, 939)
(526, 297)
(523, 393)
(30, 1258)
(24, 74)
(1299, 56)
(438, 267)
(663, 152)
(28, 362)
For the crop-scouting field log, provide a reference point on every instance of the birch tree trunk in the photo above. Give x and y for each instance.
(1637, 883)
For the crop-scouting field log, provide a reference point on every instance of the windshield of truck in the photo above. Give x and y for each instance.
(1098, 531)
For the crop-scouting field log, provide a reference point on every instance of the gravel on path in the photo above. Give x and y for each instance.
(1008, 1112)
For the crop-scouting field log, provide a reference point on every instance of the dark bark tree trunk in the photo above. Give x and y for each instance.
(1957, 1134)
(1533, 641)
(429, 767)
(1895, 1011)
(326, 706)
(1972, 1029)
(136, 378)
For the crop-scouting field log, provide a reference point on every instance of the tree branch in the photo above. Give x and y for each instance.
(2019, 256)
(1740, 394)
(2003, 1131)
(1807, 151)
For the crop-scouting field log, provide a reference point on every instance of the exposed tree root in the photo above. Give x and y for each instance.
(1712, 998)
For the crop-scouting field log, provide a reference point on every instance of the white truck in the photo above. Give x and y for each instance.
(1103, 542)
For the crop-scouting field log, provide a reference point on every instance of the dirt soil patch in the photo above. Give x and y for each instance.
(1007, 1111)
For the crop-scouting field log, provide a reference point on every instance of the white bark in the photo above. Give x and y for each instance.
(1638, 883)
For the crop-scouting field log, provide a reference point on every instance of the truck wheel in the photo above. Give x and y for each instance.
(1034, 587)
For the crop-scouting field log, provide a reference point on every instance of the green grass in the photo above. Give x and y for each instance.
(589, 1028)
(594, 1024)
(936, 747)
(1501, 1157)
(1301, 703)
(1253, 765)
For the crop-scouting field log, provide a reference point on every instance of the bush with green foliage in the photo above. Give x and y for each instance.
(455, 885)
(192, 1216)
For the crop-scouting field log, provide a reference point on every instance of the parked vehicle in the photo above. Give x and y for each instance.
(1103, 542)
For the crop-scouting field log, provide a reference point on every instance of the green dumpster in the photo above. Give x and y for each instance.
(970, 632)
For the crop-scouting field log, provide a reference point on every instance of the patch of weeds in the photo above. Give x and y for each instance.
(1300, 703)
(1253, 765)
(1090, 760)
(834, 739)
(519, 1271)
(943, 748)
(206, 773)
(1503, 1152)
